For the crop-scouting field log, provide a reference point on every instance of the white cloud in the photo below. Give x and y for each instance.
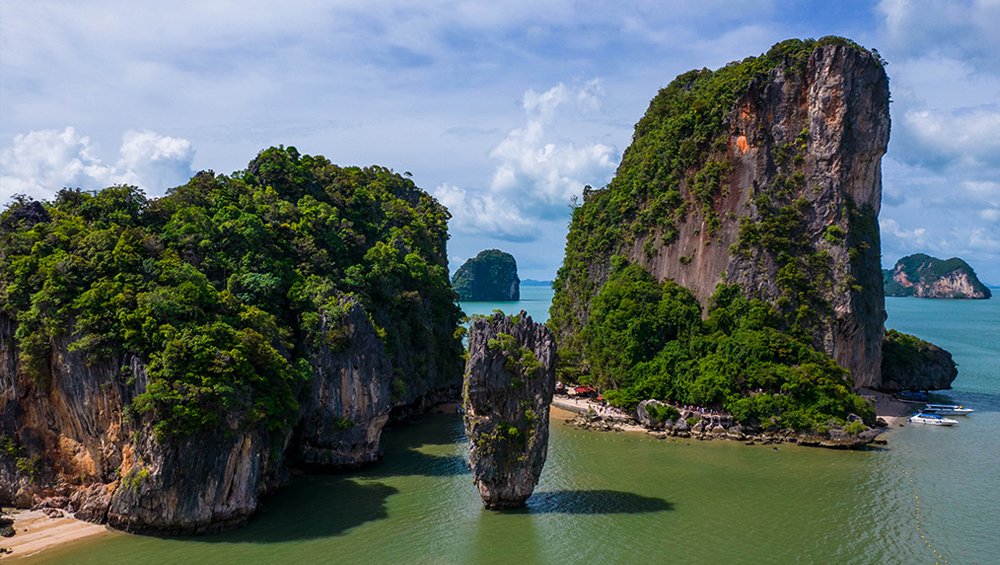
(965, 27)
(485, 214)
(40, 163)
(962, 137)
(990, 215)
(537, 174)
(916, 237)
(984, 240)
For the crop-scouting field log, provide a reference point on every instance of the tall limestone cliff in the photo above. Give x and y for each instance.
(163, 362)
(765, 173)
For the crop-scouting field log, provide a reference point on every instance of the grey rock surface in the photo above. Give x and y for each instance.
(509, 382)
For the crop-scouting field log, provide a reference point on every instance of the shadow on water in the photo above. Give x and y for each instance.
(313, 506)
(404, 455)
(593, 502)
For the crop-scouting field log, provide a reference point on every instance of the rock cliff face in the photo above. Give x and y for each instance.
(780, 196)
(910, 363)
(77, 449)
(272, 318)
(924, 276)
(343, 416)
(509, 381)
(489, 276)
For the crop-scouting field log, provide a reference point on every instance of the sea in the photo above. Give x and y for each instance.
(931, 495)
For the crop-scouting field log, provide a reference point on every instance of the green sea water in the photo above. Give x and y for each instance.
(931, 495)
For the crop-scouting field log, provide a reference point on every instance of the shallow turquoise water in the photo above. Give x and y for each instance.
(930, 495)
(535, 301)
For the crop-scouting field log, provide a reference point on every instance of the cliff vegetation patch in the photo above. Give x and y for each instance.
(223, 285)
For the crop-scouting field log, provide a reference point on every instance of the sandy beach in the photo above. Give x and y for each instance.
(37, 532)
(889, 409)
(568, 408)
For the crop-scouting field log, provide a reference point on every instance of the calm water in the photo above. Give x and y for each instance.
(931, 495)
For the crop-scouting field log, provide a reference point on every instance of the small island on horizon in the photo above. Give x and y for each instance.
(489, 276)
(924, 276)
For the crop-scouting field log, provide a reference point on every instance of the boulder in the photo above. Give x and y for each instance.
(654, 414)
(508, 387)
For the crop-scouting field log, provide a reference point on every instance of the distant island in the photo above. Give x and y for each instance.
(489, 276)
(533, 282)
(924, 276)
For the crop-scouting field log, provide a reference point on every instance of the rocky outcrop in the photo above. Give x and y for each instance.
(655, 415)
(910, 363)
(924, 276)
(77, 446)
(509, 382)
(69, 442)
(170, 402)
(343, 415)
(489, 276)
(781, 199)
(664, 421)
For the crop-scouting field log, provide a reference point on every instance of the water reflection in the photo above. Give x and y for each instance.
(594, 502)
(495, 530)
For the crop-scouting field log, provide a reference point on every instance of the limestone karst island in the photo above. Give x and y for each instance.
(489, 276)
(924, 276)
(285, 363)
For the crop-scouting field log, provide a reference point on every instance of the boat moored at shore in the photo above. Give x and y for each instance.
(948, 410)
(931, 419)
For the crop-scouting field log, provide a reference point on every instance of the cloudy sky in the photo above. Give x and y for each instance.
(503, 110)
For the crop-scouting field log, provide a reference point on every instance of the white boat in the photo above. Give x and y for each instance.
(948, 409)
(931, 419)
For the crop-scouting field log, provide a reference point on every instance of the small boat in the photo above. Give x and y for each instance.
(912, 395)
(931, 419)
(948, 409)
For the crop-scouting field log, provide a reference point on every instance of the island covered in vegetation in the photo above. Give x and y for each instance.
(239, 323)
(924, 276)
(490, 276)
(732, 263)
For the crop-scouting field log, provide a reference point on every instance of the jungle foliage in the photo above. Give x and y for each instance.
(646, 339)
(225, 285)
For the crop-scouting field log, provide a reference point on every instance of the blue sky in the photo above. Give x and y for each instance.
(503, 110)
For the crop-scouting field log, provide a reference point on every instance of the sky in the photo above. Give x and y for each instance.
(502, 110)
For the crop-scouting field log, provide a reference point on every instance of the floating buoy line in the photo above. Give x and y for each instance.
(918, 520)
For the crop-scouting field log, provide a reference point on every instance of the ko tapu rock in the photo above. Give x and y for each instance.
(509, 381)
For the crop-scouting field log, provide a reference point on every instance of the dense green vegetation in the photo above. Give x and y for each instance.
(907, 355)
(489, 276)
(645, 340)
(673, 168)
(224, 286)
(920, 268)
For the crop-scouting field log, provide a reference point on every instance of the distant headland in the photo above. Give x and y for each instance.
(923, 276)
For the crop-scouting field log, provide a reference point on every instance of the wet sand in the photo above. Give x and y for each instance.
(889, 409)
(37, 532)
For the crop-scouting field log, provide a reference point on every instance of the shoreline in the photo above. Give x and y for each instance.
(36, 532)
(890, 410)
(894, 412)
